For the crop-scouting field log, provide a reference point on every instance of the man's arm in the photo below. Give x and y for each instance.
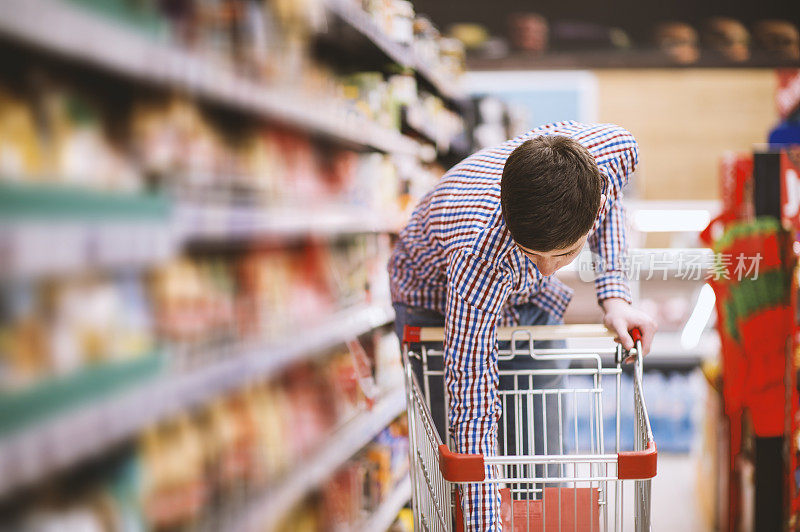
(475, 295)
(617, 153)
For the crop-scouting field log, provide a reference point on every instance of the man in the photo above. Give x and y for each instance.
(481, 249)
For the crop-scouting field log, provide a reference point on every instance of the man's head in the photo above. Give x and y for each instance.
(550, 194)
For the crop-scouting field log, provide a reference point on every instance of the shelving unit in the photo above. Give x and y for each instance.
(106, 230)
(204, 222)
(59, 203)
(359, 20)
(62, 441)
(266, 511)
(55, 231)
(72, 32)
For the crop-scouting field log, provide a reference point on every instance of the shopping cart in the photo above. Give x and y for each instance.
(570, 486)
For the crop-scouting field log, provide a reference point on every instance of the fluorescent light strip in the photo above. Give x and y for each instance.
(670, 220)
(697, 322)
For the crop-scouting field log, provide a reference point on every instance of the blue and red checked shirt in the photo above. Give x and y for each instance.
(456, 256)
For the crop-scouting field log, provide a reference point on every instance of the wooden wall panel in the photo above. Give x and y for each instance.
(684, 121)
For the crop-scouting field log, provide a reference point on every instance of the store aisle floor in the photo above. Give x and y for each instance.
(674, 496)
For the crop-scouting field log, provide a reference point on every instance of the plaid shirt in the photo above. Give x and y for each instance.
(457, 256)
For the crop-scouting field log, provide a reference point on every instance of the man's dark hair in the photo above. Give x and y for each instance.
(550, 192)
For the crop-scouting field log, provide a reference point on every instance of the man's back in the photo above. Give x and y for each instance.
(463, 208)
(462, 213)
(457, 264)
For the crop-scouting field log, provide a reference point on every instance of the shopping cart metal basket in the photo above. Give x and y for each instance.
(576, 483)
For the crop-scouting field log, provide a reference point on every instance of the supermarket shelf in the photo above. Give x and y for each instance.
(29, 455)
(265, 362)
(415, 121)
(53, 395)
(22, 202)
(354, 16)
(266, 512)
(444, 87)
(361, 21)
(199, 222)
(385, 515)
(74, 32)
(75, 237)
(58, 229)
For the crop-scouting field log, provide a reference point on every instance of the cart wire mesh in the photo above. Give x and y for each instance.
(552, 470)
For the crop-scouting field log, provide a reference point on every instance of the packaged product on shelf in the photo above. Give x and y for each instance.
(358, 488)
(97, 320)
(344, 263)
(426, 40)
(371, 96)
(311, 292)
(265, 293)
(395, 439)
(304, 518)
(95, 512)
(364, 368)
(404, 522)
(377, 274)
(349, 393)
(395, 18)
(402, 22)
(404, 87)
(431, 117)
(340, 174)
(136, 333)
(174, 483)
(300, 177)
(176, 144)
(172, 143)
(190, 305)
(82, 153)
(312, 412)
(343, 497)
(264, 166)
(23, 337)
(56, 327)
(271, 410)
(229, 437)
(58, 136)
(377, 184)
(388, 365)
(452, 56)
(21, 154)
(265, 281)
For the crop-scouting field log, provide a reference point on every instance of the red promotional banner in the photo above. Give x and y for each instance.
(790, 188)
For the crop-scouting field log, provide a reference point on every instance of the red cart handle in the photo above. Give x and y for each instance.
(457, 467)
(636, 334)
(638, 464)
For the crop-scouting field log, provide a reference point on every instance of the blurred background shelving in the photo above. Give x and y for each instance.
(174, 174)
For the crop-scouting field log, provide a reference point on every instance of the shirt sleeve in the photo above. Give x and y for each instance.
(609, 244)
(617, 154)
(476, 294)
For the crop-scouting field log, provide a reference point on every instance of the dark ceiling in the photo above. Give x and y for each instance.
(637, 18)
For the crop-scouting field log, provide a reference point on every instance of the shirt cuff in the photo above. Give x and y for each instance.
(612, 284)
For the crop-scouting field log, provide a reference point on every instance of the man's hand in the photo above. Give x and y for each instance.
(620, 317)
